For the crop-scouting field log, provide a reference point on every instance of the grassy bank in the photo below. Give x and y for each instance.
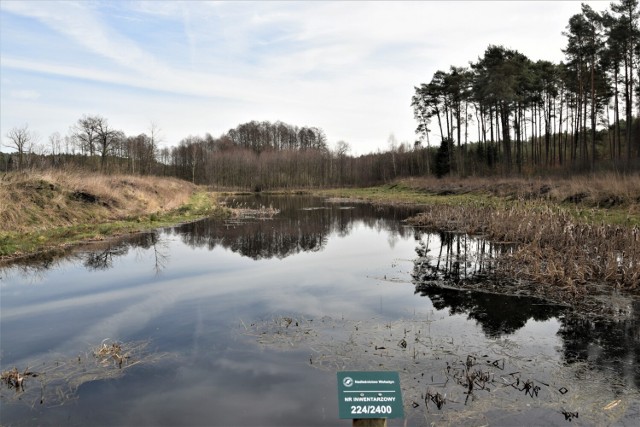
(41, 210)
(608, 198)
(572, 238)
(569, 233)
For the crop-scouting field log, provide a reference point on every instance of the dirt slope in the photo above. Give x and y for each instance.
(33, 201)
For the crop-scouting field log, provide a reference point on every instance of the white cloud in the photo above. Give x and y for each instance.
(77, 21)
(24, 94)
(348, 67)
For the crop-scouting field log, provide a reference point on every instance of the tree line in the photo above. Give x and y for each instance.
(253, 155)
(503, 114)
(532, 116)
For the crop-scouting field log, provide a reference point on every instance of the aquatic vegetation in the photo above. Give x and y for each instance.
(14, 379)
(456, 379)
(55, 382)
(244, 212)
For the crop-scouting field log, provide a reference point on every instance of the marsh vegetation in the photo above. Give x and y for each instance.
(54, 381)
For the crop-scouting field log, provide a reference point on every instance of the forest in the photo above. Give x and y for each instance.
(501, 115)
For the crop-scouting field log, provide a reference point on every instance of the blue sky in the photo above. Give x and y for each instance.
(195, 67)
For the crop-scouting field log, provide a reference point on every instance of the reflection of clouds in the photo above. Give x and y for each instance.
(132, 309)
(129, 309)
(240, 388)
(219, 377)
(160, 298)
(47, 307)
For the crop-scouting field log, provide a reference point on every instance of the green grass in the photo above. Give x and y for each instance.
(399, 193)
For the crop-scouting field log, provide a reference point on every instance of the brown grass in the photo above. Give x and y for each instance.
(603, 190)
(38, 200)
(552, 247)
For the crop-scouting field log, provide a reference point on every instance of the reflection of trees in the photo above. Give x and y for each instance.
(453, 258)
(93, 256)
(447, 262)
(103, 258)
(34, 266)
(609, 345)
(447, 259)
(496, 314)
(160, 253)
(303, 225)
(260, 239)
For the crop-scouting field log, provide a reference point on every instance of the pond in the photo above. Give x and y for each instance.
(246, 322)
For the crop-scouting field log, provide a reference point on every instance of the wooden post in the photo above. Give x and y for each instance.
(370, 422)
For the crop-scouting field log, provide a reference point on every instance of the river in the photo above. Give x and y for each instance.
(246, 322)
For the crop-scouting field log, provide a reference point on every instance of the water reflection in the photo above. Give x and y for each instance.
(455, 258)
(303, 225)
(612, 346)
(448, 263)
(103, 258)
(110, 290)
(449, 259)
(496, 314)
(94, 256)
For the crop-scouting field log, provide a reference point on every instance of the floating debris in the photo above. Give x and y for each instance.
(14, 379)
(245, 213)
(569, 415)
(612, 405)
(54, 382)
(436, 398)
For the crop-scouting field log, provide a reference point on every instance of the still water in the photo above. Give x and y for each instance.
(246, 323)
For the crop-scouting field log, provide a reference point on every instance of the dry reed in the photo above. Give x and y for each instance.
(551, 247)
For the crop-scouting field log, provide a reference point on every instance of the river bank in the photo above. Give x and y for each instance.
(573, 241)
(54, 209)
(570, 233)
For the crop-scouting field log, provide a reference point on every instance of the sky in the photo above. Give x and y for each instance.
(349, 68)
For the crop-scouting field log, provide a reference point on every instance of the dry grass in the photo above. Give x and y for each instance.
(44, 210)
(571, 235)
(41, 200)
(602, 190)
(552, 248)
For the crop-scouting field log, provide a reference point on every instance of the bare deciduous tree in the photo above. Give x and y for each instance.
(85, 133)
(107, 139)
(21, 138)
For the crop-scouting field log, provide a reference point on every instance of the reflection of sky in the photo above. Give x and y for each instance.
(69, 306)
(192, 308)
